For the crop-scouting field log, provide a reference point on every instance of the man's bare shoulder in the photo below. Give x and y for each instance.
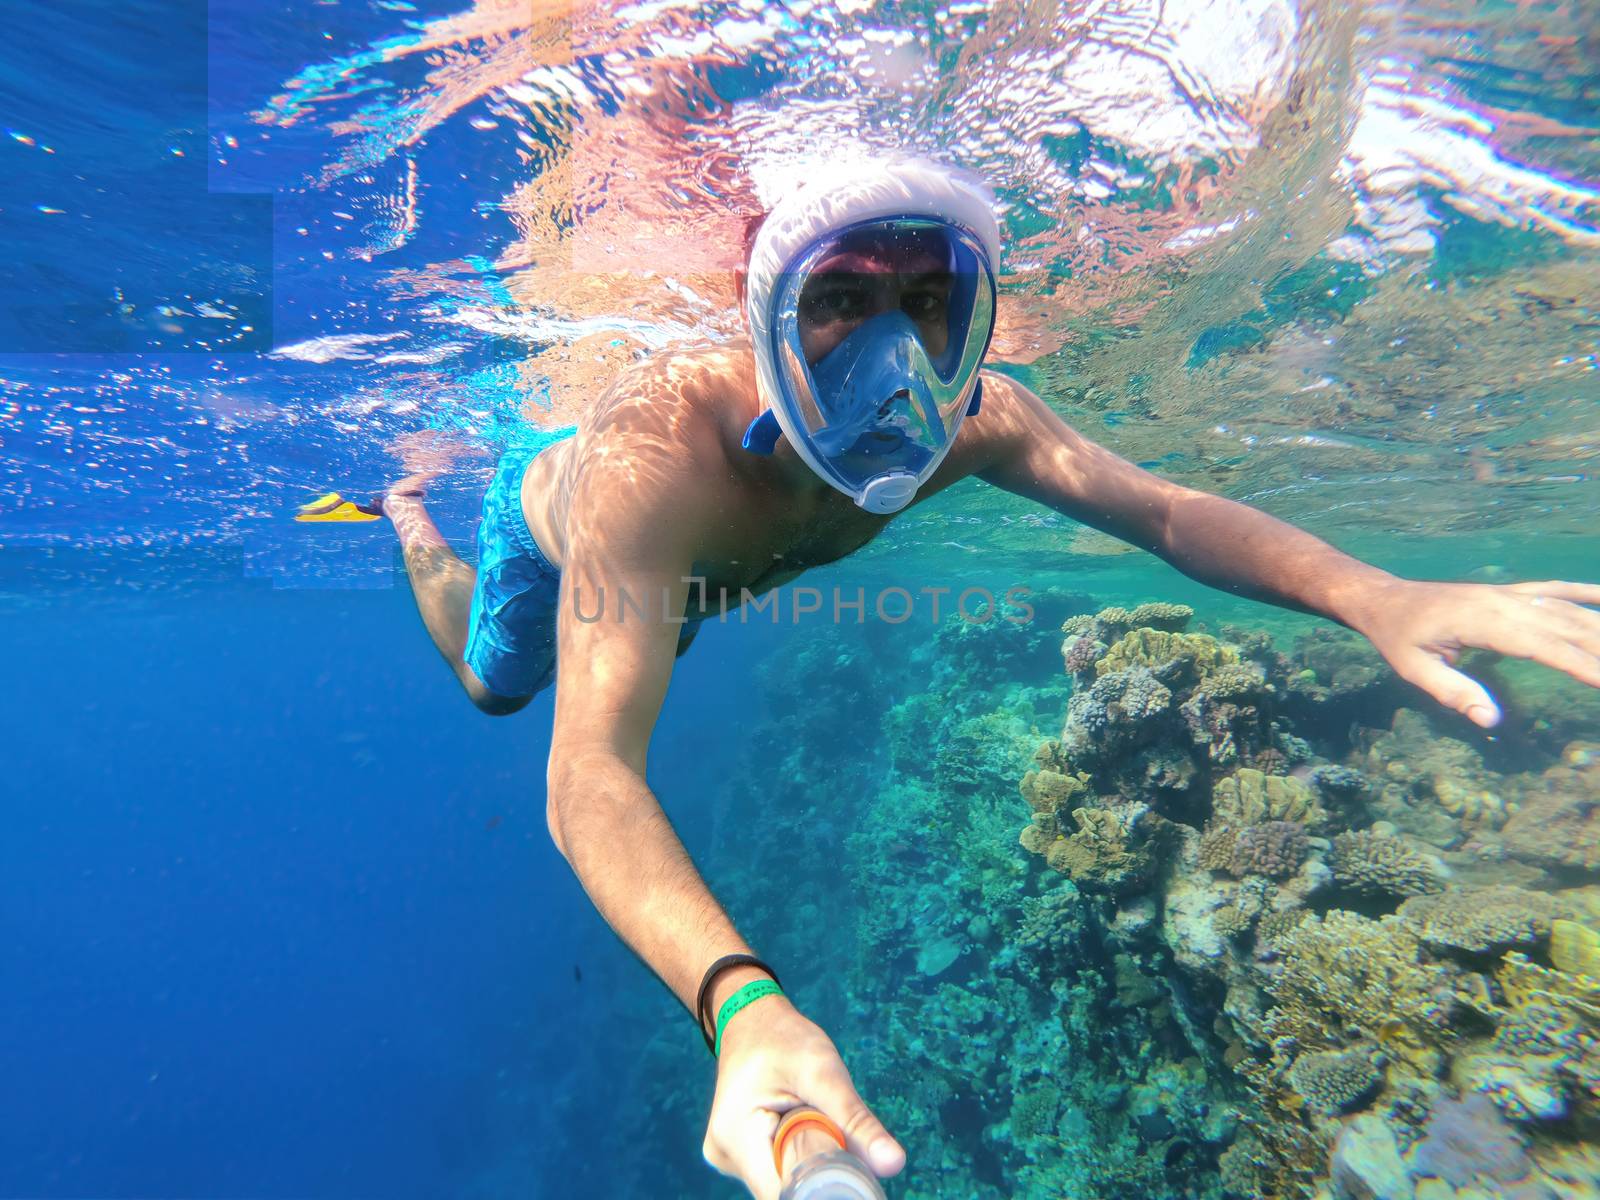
(687, 398)
(655, 452)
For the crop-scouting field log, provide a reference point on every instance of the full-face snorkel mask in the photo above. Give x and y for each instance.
(871, 300)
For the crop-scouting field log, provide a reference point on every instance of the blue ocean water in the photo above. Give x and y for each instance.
(279, 913)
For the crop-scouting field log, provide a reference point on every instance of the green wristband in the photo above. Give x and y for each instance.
(756, 989)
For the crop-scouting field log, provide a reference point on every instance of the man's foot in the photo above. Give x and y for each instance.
(333, 508)
(403, 496)
(403, 505)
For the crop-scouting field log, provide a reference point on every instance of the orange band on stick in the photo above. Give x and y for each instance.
(799, 1118)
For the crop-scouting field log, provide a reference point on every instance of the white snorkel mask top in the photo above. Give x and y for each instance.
(871, 301)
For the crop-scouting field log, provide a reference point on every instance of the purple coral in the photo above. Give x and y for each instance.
(1274, 849)
(1081, 653)
(1102, 720)
(1467, 1142)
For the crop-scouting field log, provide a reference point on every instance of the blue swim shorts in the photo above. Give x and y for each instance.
(511, 635)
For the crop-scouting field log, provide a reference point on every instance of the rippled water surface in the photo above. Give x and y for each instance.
(1336, 260)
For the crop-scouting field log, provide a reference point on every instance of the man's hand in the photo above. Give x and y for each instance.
(773, 1059)
(1421, 628)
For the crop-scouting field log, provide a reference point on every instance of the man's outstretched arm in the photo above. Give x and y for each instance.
(623, 586)
(1419, 627)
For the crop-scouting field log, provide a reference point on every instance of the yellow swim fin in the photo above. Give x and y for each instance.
(334, 507)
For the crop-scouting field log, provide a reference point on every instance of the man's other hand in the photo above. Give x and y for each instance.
(773, 1059)
(1422, 628)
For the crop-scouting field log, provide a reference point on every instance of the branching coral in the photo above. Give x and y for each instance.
(1556, 1011)
(1232, 921)
(1335, 1081)
(1234, 681)
(1344, 972)
(1109, 624)
(1481, 919)
(1378, 864)
(1338, 782)
(1081, 653)
(1217, 847)
(1274, 924)
(1158, 615)
(1118, 711)
(1274, 849)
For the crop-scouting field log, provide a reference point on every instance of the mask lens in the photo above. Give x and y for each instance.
(879, 333)
(910, 267)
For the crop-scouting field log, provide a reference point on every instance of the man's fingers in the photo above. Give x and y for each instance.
(833, 1093)
(1579, 625)
(1564, 656)
(1449, 687)
(1560, 589)
(742, 1147)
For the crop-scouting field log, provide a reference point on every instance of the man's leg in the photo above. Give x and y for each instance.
(442, 586)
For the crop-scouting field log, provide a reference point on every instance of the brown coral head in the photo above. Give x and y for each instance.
(1335, 1081)
(1274, 849)
(1216, 848)
(1378, 864)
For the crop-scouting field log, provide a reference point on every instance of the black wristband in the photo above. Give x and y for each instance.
(710, 977)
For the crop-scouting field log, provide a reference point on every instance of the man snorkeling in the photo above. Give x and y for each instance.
(870, 297)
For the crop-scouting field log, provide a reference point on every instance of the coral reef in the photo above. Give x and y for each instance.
(1468, 1144)
(1557, 822)
(1481, 919)
(1379, 864)
(1114, 849)
(1249, 797)
(1274, 849)
(1435, 787)
(1373, 1005)
(1335, 1081)
(1244, 927)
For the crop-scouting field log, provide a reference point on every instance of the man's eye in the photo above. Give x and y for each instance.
(922, 305)
(835, 303)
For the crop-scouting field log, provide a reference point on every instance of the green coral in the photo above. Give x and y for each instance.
(1378, 864)
(1250, 797)
(1114, 849)
(1155, 648)
(1049, 791)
